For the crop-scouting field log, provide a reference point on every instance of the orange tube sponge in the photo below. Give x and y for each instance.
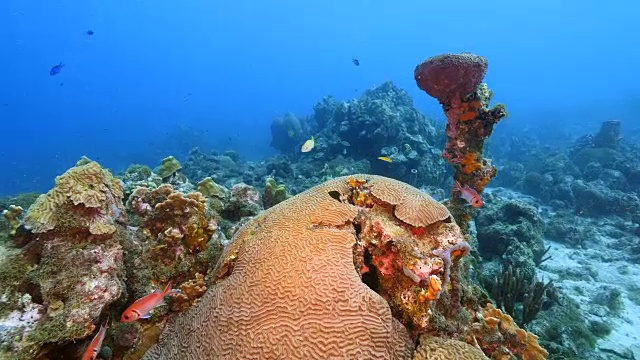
(470, 163)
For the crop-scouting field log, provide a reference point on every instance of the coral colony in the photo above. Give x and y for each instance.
(306, 254)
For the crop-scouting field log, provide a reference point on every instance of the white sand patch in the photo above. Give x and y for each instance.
(599, 269)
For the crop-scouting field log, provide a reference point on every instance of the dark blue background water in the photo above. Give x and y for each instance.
(157, 71)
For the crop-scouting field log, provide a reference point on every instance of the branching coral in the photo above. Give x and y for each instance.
(454, 79)
(86, 198)
(513, 288)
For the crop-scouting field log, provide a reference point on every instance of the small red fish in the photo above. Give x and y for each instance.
(469, 194)
(91, 352)
(140, 308)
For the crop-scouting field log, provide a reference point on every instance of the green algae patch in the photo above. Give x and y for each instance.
(56, 330)
(14, 270)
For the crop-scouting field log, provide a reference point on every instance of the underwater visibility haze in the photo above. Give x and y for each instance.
(312, 180)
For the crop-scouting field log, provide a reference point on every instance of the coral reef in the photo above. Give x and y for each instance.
(596, 199)
(273, 265)
(608, 136)
(361, 266)
(318, 261)
(209, 188)
(178, 220)
(350, 136)
(75, 262)
(500, 338)
(244, 201)
(287, 133)
(69, 265)
(454, 79)
(511, 231)
(224, 169)
(382, 122)
(597, 176)
(521, 297)
(190, 292)
(139, 176)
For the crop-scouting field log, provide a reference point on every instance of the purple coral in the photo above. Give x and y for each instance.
(450, 77)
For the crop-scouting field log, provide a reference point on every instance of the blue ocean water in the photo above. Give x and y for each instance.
(160, 77)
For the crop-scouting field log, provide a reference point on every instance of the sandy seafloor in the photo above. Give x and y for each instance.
(607, 271)
(595, 266)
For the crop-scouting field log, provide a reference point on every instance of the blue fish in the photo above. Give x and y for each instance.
(356, 62)
(56, 69)
(89, 32)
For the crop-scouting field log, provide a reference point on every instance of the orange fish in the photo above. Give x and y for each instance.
(91, 352)
(469, 194)
(140, 308)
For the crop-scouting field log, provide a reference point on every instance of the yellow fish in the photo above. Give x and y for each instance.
(308, 145)
(385, 158)
(291, 133)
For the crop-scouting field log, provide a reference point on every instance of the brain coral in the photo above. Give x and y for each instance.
(287, 287)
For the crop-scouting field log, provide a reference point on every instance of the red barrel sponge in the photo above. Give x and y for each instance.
(451, 77)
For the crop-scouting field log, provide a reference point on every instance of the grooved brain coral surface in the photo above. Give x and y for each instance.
(412, 206)
(293, 292)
